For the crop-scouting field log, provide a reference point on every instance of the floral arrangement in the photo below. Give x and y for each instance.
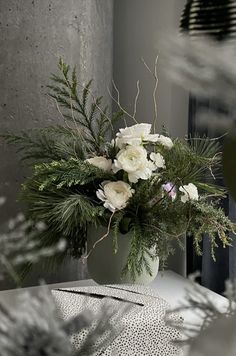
(135, 180)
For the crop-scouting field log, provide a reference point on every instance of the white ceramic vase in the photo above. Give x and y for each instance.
(105, 267)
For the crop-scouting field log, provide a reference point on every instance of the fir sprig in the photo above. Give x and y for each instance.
(68, 173)
(45, 144)
(86, 110)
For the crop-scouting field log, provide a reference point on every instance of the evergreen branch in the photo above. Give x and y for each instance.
(68, 173)
(137, 261)
(212, 188)
(89, 116)
(77, 210)
(46, 143)
(208, 219)
(65, 214)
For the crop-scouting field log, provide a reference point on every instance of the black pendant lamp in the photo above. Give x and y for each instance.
(215, 18)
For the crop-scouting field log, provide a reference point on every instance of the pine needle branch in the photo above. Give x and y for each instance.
(86, 114)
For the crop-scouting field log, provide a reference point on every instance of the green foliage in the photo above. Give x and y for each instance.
(191, 161)
(68, 173)
(85, 110)
(229, 166)
(45, 144)
(65, 212)
(208, 218)
(139, 252)
(62, 188)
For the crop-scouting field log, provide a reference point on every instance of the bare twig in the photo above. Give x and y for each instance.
(154, 74)
(117, 101)
(211, 172)
(101, 238)
(61, 114)
(136, 99)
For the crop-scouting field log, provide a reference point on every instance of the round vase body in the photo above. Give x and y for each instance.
(105, 267)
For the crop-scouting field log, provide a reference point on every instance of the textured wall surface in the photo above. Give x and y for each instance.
(140, 27)
(33, 35)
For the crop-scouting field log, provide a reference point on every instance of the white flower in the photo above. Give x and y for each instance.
(134, 161)
(115, 195)
(190, 192)
(2, 200)
(100, 162)
(158, 160)
(165, 141)
(113, 143)
(135, 135)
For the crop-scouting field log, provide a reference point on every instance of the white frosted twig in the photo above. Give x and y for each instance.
(211, 172)
(101, 238)
(155, 94)
(117, 101)
(154, 74)
(136, 99)
(62, 116)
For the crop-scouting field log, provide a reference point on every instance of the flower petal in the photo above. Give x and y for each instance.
(100, 195)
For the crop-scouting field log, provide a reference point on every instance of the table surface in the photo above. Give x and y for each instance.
(169, 286)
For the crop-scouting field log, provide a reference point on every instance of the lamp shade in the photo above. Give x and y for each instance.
(215, 18)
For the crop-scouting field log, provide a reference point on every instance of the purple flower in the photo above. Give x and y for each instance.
(170, 188)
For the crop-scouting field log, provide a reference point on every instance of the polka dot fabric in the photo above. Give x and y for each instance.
(145, 332)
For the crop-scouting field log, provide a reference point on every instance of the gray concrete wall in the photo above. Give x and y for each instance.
(139, 29)
(33, 35)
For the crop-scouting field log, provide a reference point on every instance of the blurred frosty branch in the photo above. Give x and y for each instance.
(36, 329)
(213, 330)
(18, 246)
(207, 68)
(204, 66)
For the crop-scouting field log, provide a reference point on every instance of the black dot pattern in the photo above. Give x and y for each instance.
(145, 332)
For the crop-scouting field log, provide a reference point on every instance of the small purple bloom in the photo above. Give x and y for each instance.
(170, 188)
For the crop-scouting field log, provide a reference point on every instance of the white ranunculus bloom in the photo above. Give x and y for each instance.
(100, 162)
(165, 141)
(134, 161)
(158, 160)
(190, 192)
(115, 195)
(135, 135)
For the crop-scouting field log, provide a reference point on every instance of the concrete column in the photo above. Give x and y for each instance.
(34, 34)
